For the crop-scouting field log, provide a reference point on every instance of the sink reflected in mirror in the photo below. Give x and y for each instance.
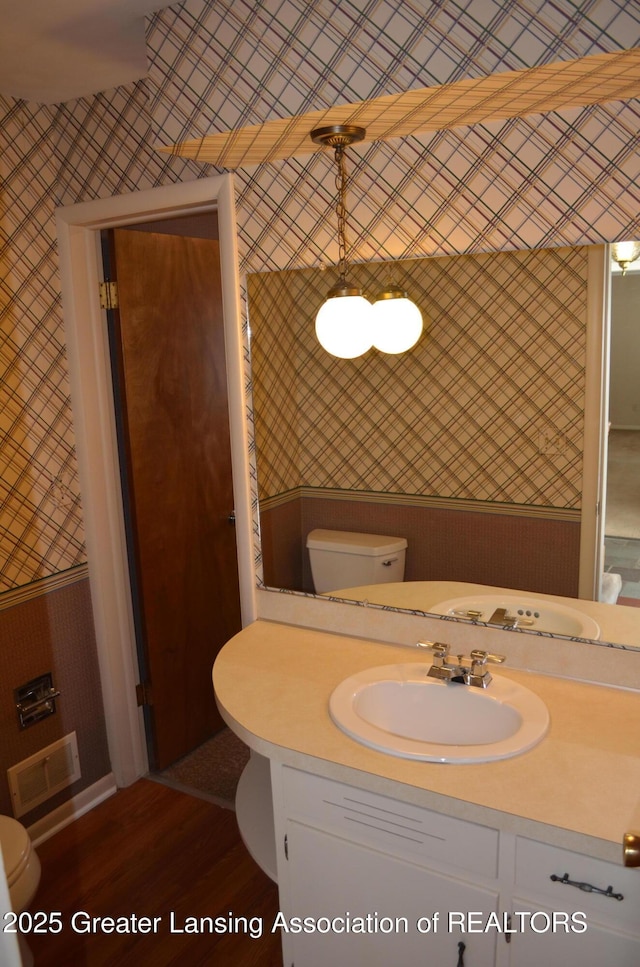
(521, 611)
(399, 710)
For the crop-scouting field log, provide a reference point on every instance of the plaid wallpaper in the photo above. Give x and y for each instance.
(461, 415)
(89, 148)
(40, 517)
(224, 64)
(563, 179)
(569, 178)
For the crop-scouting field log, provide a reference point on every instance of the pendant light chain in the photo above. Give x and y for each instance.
(341, 211)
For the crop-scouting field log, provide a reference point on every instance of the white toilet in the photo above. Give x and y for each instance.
(344, 559)
(22, 870)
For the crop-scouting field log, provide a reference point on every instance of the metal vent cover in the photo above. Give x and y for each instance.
(42, 775)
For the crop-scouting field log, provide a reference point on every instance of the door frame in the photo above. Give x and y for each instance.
(78, 229)
(596, 417)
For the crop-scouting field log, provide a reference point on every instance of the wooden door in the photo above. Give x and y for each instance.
(170, 384)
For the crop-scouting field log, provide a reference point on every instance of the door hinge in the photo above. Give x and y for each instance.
(143, 693)
(286, 847)
(108, 295)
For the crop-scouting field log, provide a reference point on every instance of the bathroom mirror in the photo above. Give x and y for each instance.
(470, 445)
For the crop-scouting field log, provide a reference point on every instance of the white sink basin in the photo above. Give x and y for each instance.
(534, 613)
(399, 710)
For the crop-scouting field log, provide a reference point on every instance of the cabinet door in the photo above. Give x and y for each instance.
(556, 945)
(330, 877)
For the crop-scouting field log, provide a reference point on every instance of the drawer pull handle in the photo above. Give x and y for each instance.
(586, 887)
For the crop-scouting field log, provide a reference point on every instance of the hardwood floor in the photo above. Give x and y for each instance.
(153, 852)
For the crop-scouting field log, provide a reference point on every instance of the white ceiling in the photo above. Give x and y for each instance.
(56, 50)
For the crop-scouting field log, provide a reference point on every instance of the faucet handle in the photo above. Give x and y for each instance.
(440, 654)
(482, 657)
(437, 647)
(479, 674)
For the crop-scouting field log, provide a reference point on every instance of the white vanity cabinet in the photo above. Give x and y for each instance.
(382, 881)
(345, 853)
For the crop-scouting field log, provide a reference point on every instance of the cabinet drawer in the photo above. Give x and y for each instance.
(536, 863)
(387, 824)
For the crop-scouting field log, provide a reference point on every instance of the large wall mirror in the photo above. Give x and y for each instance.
(470, 445)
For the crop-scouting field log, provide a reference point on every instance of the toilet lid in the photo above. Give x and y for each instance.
(350, 542)
(16, 847)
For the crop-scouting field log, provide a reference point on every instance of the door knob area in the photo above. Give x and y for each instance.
(631, 849)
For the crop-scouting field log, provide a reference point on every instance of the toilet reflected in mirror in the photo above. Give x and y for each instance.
(344, 559)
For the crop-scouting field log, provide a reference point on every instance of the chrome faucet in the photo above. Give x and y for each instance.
(501, 617)
(464, 670)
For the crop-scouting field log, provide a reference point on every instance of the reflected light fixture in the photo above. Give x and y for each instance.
(624, 253)
(343, 322)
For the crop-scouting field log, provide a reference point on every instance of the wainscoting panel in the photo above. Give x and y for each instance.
(529, 553)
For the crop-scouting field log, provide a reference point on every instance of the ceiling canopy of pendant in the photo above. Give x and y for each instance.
(595, 79)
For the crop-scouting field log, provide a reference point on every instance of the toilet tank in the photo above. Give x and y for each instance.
(345, 559)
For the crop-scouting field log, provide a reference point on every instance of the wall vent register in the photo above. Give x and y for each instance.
(43, 774)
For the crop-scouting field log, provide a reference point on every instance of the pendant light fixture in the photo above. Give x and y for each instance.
(624, 253)
(343, 322)
(347, 325)
(397, 321)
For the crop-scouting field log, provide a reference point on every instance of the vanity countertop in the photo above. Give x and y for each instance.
(579, 788)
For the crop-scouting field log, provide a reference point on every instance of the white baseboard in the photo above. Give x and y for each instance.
(69, 811)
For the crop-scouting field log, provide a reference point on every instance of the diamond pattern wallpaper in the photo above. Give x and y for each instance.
(565, 179)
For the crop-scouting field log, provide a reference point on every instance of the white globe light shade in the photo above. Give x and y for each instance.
(624, 253)
(343, 326)
(397, 324)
